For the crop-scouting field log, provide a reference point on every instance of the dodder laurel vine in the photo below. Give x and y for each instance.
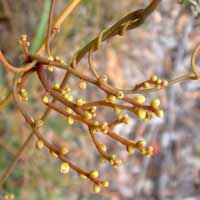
(80, 110)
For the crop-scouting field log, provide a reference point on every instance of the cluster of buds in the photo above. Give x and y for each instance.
(86, 112)
(153, 83)
(9, 197)
(51, 60)
(23, 94)
(145, 115)
(24, 41)
(141, 145)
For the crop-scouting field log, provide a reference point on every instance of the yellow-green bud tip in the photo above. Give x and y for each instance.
(105, 184)
(94, 174)
(96, 189)
(64, 168)
(141, 113)
(141, 144)
(39, 144)
(45, 100)
(140, 99)
(70, 120)
(160, 113)
(155, 103)
(130, 149)
(64, 150)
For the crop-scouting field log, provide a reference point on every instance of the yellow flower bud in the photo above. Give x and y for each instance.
(141, 144)
(155, 103)
(143, 151)
(94, 174)
(102, 160)
(149, 151)
(56, 86)
(64, 150)
(96, 123)
(62, 62)
(146, 85)
(103, 147)
(23, 37)
(87, 115)
(19, 80)
(111, 162)
(149, 116)
(159, 81)
(140, 99)
(82, 85)
(64, 93)
(158, 86)
(50, 68)
(39, 123)
(83, 176)
(120, 95)
(154, 78)
(64, 168)
(9, 196)
(111, 98)
(68, 109)
(39, 144)
(131, 149)
(103, 79)
(53, 154)
(94, 114)
(26, 99)
(117, 163)
(94, 130)
(113, 156)
(165, 83)
(6, 197)
(160, 113)
(70, 120)
(66, 96)
(117, 110)
(50, 59)
(23, 91)
(124, 118)
(93, 109)
(68, 89)
(57, 58)
(45, 100)
(105, 127)
(141, 113)
(105, 184)
(80, 102)
(70, 98)
(96, 189)
(12, 196)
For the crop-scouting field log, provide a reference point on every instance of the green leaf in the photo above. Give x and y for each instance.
(41, 31)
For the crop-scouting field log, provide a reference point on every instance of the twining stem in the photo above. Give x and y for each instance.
(16, 158)
(15, 69)
(36, 131)
(5, 101)
(70, 7)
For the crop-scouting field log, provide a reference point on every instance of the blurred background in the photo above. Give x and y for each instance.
(161, 46)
